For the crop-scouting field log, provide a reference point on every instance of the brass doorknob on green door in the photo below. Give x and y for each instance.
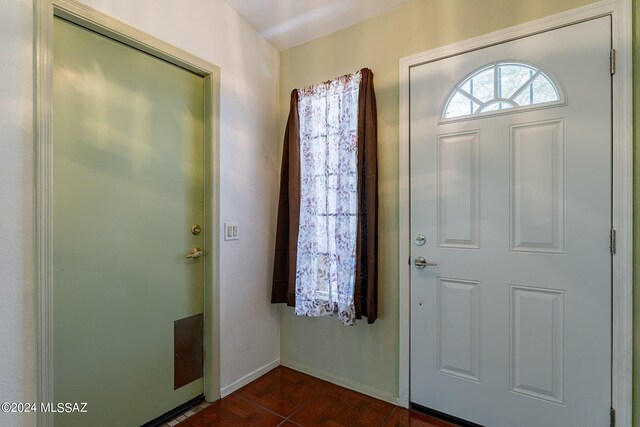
(421, 262)
(195, 253)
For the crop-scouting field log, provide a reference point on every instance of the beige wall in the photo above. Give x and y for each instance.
(366, 356)
(636, 213)
(17, 344)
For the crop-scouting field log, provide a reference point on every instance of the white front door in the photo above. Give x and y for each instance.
(511, 198)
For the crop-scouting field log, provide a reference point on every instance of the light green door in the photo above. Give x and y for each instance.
(128, 186)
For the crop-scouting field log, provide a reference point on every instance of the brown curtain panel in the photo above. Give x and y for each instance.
(366, 286)
(284, 266)
(284, 272)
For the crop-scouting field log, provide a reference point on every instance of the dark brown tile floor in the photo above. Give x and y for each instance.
(284, 397)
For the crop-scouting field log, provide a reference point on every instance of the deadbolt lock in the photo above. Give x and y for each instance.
(195, 229)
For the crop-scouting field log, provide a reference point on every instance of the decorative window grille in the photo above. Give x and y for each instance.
(502, 86)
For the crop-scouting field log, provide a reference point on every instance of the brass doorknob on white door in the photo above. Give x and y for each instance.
(195, 253)
(421, 262)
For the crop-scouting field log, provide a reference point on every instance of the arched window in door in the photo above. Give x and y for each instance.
(500, 86)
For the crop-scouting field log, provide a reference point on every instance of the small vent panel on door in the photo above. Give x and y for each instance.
(188, 350)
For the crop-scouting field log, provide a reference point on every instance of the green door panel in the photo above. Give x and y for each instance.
(128, 185)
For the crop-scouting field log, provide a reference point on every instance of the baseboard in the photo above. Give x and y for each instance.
(351, 385)
(227, 390)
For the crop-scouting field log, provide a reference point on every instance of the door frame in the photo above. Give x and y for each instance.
(622, 191)
(78, 13)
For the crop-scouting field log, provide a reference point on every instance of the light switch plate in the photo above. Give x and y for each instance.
(231, 231)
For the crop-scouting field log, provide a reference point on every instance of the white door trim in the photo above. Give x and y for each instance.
(44, 12)
(620, 11)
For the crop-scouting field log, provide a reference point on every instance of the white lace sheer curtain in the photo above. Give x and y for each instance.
(325, 275)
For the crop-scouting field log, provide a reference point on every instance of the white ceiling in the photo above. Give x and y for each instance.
(288, 23)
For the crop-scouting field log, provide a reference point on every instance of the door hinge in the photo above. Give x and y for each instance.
(612, 417)
(612, 61)
(612, 241)
(409, 261)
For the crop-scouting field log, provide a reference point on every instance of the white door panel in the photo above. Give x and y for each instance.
(512, 327)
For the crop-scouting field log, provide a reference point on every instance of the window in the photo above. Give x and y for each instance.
(328, 116)
(502, 86)
(325, 260)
